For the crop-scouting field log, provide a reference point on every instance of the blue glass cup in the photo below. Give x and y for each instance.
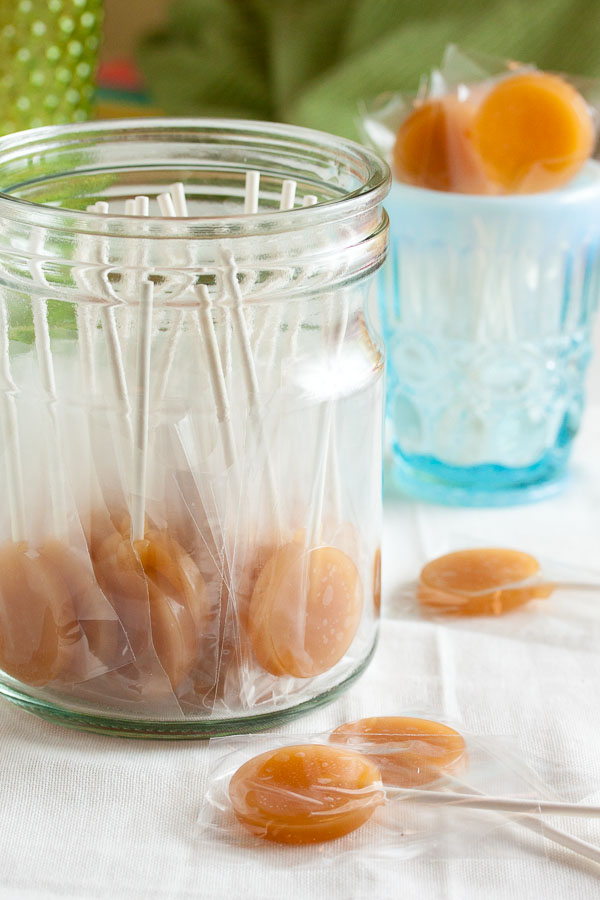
(486, 306)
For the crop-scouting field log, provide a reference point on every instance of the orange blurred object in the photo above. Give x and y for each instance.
(305, 794)
(480, 582)
(305, 610)
(433, 148)
(408, 752)
(533, 132)
(528, 132)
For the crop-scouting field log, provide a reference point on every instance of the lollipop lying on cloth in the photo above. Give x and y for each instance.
(305, 794)
(414, 754)
(485, 581)
(311, 793)
(408, 751)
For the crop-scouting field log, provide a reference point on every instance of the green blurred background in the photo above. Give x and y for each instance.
(301, 61)
(308, 61)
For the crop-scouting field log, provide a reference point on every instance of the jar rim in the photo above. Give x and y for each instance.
(35, 142)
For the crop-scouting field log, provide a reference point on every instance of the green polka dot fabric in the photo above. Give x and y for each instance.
(48, 61)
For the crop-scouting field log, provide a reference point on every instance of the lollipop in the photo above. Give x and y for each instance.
(481, 582)
(533, 132)
(408, 751)
(433, 148)
(54, 620)
(307, 601)
(305, 610)
(305, 794)
(526, 132)
(311, 793)
(38, 623)
(412, 753)
(155, 571)
(140, 566)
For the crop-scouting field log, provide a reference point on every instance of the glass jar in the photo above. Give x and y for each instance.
(191, 424)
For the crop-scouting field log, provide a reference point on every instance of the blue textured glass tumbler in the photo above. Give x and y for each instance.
(487, 306)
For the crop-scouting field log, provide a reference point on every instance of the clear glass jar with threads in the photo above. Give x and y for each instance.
(190, 404)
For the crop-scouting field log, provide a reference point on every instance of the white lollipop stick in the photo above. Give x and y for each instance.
(271, 325)
(288, 194)
(86, 321)
(477, 800)
(142, 410)
(324, 432)
(556, 836)
(206, 327)
(166, 206)
(141, 206)
(249, 376)
(167, 209)
(85, 336)
(113, 346)
(532, 823)
(45, 362)
(10, 435)
(296, 306)
(117, 369)
(252, 193)
(179, 199)
(46, 365)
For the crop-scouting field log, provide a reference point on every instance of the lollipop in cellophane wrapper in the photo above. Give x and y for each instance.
(504, 592)
(486, 127)
(382, 787)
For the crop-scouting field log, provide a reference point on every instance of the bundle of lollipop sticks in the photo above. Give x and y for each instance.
(216, 312)
(174, 204)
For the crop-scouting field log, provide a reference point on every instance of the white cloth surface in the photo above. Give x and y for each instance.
(83, 816)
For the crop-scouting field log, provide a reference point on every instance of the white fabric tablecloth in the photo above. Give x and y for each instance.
(91, 817)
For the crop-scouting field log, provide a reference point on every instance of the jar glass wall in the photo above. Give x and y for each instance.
(191, 424)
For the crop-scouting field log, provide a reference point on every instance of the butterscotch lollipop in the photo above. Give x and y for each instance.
(55, 624)
(485, 581)
(434, 149)
(153, 581)
(408, 751)
(305, 794)
(533, 132)
(305, 610)
(153, 584)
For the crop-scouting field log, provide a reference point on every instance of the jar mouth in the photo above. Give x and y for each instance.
(50, 175)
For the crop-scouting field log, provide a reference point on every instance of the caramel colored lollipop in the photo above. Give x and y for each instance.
(481, 582)
(305, 610)
(413, 753)
(38, 622)
(144, 570)
(49, 600)
(305, 794)
(156, 572)
(533, 132)
(433, 148)
(409, 752)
